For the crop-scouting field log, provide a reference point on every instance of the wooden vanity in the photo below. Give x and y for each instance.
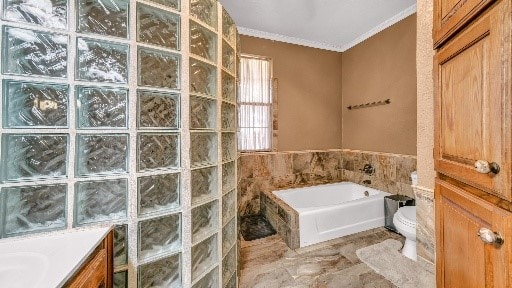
(70, 258)
(98, 269)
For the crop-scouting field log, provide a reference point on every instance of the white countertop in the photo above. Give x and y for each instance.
(46, 260)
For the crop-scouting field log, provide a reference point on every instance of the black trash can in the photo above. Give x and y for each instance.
(391, 205)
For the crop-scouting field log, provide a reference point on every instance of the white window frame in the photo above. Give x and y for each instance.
(269, 106)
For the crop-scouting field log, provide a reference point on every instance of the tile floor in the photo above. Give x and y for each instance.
(269, 263)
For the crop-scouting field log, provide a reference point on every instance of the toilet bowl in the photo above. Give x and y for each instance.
(405, 223)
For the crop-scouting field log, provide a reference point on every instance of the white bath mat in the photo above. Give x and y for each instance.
(386, 260)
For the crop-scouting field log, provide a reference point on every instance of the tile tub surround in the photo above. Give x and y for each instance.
(269, 171)
(282, 217)
(392, 171)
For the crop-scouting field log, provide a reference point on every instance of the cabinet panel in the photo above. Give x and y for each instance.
(462, 258)
(473, 102)
(451, 15)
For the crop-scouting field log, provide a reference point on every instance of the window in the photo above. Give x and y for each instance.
(255, 104)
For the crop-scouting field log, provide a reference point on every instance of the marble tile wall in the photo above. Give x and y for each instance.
(282, 217)
(392, 171)
(262, 173)
(425, 224)
(265, 172)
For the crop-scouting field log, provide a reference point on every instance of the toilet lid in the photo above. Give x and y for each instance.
(408, 212)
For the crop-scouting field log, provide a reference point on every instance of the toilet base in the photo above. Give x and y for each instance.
(409, 249)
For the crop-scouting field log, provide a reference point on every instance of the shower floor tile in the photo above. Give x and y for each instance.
(255, 227)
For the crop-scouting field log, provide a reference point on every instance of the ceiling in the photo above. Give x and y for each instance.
(333, 25)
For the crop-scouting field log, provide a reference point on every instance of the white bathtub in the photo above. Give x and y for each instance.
(334, 210)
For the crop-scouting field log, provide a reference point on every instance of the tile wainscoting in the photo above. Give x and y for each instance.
(425, 224)
(262, 173)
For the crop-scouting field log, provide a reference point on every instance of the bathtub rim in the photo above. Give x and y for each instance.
(314, 209)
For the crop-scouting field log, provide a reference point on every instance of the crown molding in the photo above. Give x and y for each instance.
(395, 19)
(314, 44)
(287, 39)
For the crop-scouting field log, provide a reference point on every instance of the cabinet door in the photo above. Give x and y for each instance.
(451, 15)
(462, 258)
(472, 102)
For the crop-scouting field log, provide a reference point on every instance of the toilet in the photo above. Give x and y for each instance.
(405, 223)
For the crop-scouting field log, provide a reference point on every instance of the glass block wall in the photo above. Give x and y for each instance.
(122, 112)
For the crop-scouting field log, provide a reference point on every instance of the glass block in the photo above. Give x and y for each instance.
(210, 280)
(35, 104)
(165, 272)
(121, 279)
(34, 208)
(228, 265)
(228, 87)
(228, 146)
(203, 148)
(204, 184)
(158, 69)
(34, 156)
(102, 107)
(228, 116)
(102, 61)
(228, 26)
(228, 176)
(158, 193)
(50, 13)
(102, 153)
(205, 11)
(203, 78)
(158, 151)
(120, 245)
(203, 113)
(99, 201)
(228, 236)
(203, 42)
(104, 17)
(205, 220)
(175, 4)
(204, 256)
(231, 282)
(228, 56)
(159, 236)
(158, 27)
(157, 109)
(228, 206)
(28, 52)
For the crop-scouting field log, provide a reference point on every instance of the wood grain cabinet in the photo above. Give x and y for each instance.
(472, 102)
(451, 15)
(97, 272)
(472, 145)
(463, 258)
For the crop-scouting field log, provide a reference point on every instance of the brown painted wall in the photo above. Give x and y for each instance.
(384, 66)
(309, 93)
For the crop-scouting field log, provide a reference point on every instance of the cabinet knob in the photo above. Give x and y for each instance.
(490, 237)
(485, 167)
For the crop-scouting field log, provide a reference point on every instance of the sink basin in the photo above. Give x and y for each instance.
(22, 269)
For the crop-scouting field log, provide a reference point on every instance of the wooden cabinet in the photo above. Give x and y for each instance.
(473, 128)
(97, 272)
(451, 15)
(472, 102)
(463, 259)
